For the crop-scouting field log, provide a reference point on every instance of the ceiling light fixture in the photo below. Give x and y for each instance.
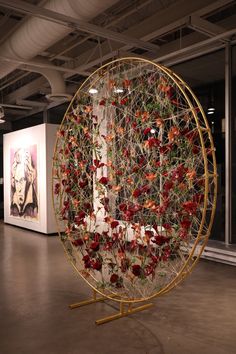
(93, 91)
(118, 90)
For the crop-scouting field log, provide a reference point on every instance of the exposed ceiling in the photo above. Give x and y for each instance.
(36, 65)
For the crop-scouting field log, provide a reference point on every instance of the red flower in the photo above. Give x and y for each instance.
(185, 224)
(201, 182)
(183, 234)
(115, 236)
(83, 183)
(64, 182)
(149, 234)
(96, 163)
(160, 240)
(86, 258)
(124, 101)
(97, 265)
(108, 246)
(126, 152)
(179, 172)
(135, 168)
(114, 224)
(195, 149)
(105, 202)
(146, 131)
(168, 185)
(92, 168)
(114, 103)
(81, 215)
(118, 172)
(190, 207)
(123, 207)
(135, 208)
(94, 246)
(154, 258)
(114, 278)
(104, 180)
(152, 142)
(126, 83)
(97, 236)
(61, 133)
(137, 192)
(57, 188)
(107, 219)
(142, 160)
(102, 103)
(167, 227)
(128, 215)
(79, 219)
(191, 135)
(87, 206)
(78, 242)
(136, 270)
(167, 253)
(87, 261)
(165, 148)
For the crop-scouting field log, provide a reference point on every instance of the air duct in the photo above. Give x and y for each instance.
(54, 77)
(36, 35)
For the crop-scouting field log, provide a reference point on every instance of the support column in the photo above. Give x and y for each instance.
(228, 145)
(45, 115)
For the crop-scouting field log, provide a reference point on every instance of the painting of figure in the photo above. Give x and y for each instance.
(24, 196)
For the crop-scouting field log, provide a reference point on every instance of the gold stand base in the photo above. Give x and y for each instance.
(125, 309)
(87, 302)
(123, 312)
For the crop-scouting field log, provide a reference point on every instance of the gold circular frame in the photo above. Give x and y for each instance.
(209, 175)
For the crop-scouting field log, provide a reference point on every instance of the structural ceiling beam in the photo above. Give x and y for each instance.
(75, 24)
(28, 65)
(175, 16)
(204, 27)
(158, 26)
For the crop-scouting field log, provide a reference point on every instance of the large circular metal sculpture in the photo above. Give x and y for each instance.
(134, 180)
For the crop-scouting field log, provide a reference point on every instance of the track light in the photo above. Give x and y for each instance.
(2, 115)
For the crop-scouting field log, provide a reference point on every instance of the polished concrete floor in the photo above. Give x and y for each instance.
(37, 283)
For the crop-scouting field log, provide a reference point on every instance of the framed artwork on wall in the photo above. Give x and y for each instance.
(24, 183)
(27, 178)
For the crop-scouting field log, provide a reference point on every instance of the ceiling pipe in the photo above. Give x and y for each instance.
(15, 106)
(36, 35)
(31, 103)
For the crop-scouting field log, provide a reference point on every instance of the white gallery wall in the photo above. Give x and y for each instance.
(37, 144)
